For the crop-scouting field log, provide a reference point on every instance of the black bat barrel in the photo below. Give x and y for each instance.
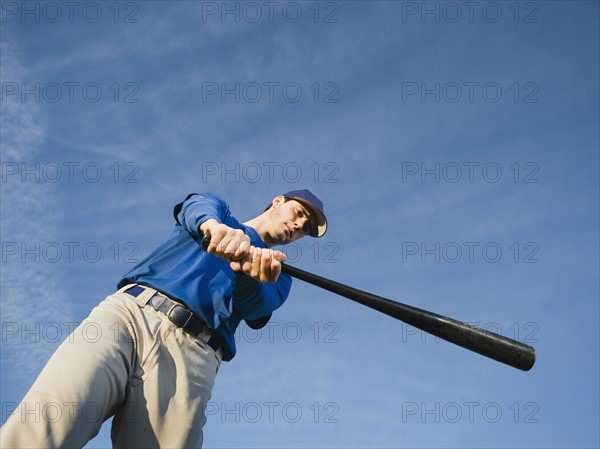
(489, 344)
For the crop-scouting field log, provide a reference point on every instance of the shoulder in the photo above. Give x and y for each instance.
(205, 198)
(203, 203)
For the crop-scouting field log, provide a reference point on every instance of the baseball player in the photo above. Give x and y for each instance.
(149, 353)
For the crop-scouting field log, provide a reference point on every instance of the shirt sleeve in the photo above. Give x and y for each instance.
(254, 300)
(197, 208)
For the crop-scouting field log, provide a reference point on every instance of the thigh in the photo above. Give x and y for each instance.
(168, 394)
(82, 384)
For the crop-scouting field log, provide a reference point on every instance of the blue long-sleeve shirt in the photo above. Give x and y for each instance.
(183, 271)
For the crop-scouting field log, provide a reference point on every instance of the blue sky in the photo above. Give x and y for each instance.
(455, 148)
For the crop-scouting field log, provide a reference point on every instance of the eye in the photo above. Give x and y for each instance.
(307, 225)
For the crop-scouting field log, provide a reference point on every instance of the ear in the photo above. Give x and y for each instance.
(277, 201)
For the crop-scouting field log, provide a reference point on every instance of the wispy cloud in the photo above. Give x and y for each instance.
(31, 294)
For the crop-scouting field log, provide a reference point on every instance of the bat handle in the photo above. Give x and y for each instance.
(205, 240)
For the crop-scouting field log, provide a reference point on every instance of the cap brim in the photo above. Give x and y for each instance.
(320, 220)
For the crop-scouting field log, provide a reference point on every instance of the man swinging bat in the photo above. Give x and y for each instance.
(164, 333)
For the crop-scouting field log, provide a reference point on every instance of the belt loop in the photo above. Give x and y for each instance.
(162, 298)
(145, 296)
(141, 299)
(125, 288)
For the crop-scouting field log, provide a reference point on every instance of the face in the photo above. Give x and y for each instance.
(289, 220)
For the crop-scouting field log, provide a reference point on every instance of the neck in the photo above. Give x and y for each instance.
(260, 225)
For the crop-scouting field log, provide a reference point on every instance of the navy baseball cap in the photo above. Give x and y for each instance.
(314, 205)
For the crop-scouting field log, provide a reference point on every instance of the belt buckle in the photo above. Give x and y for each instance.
(174, 320)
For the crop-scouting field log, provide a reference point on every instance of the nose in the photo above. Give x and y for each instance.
(300, 223)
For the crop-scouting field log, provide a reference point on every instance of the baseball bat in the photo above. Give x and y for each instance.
(489, 344)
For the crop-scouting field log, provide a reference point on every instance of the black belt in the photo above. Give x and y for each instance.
(179, 314)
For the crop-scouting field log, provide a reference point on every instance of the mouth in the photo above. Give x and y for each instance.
(289, 230)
